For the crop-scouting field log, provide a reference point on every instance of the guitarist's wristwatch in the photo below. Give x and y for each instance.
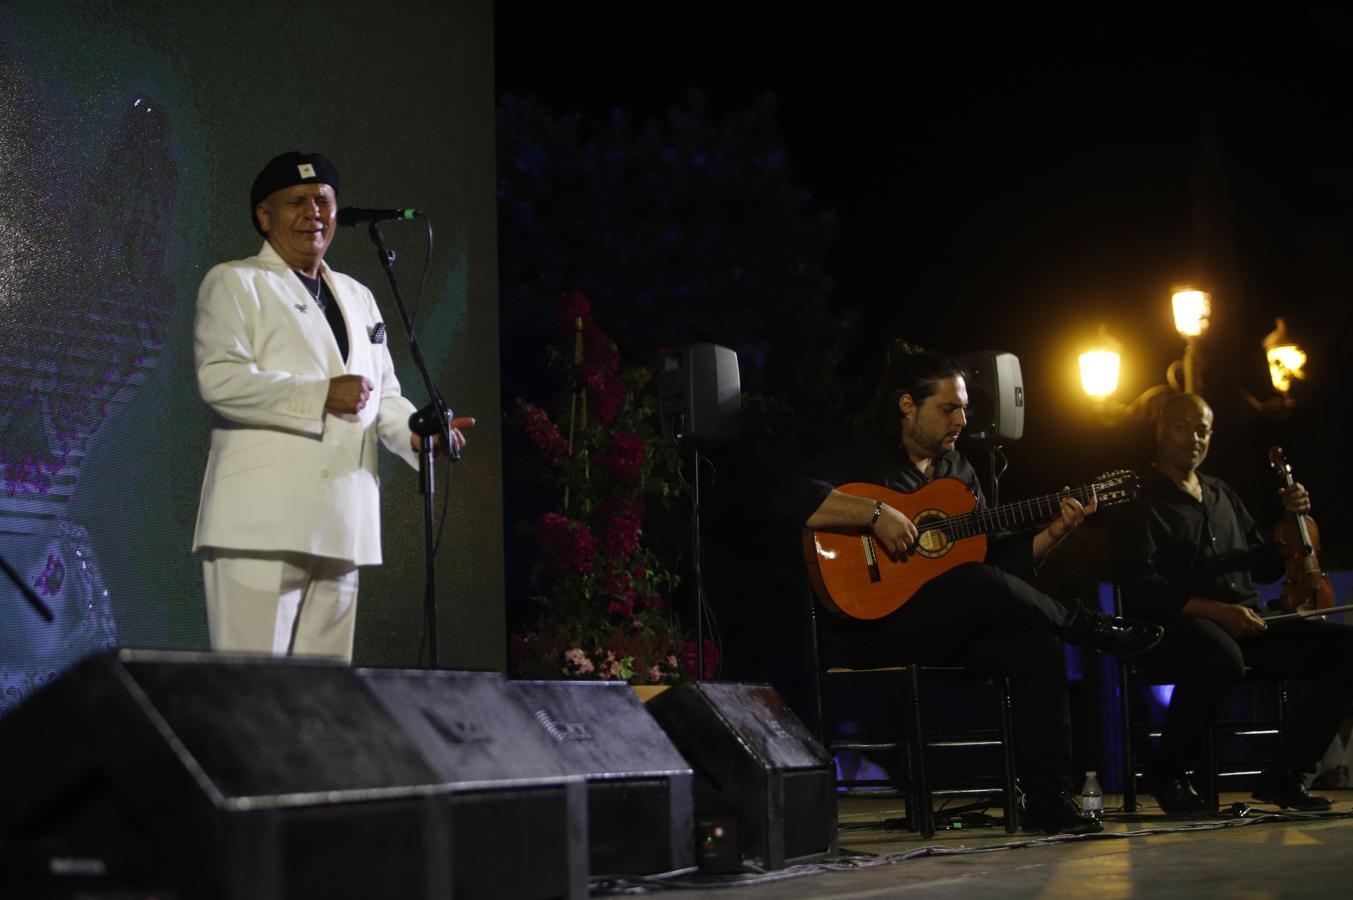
(878, 511)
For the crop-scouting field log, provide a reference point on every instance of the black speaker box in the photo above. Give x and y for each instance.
(762, 782)
(995, 396)
(518, 815)
(699, 394)
(197, 775)
(639, 800)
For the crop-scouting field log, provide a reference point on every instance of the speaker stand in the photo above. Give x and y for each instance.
(994, 476)
(697, 560)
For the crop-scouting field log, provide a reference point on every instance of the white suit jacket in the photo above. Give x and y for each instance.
(283, 474)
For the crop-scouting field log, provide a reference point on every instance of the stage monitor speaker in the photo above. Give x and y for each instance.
(995, 396)
(518, 815)
(639, 800)
(765, 790)
(207, 776)
(699, 394)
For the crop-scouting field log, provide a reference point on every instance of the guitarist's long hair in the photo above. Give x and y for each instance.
(907, 369)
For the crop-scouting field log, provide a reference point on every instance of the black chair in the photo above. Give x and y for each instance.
(910, 741)
(1218, 763)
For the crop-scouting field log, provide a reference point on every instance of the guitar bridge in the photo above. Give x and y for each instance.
(871, 557)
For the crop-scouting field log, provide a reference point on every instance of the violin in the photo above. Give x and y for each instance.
(1307, 586)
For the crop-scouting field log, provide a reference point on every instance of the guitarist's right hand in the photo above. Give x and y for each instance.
(895, 532)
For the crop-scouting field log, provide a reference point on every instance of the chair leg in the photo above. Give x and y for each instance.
(922, 802)
(1130, 803)
(1282, 698)
(819, 718)
(1211, 783)
(1007, 726)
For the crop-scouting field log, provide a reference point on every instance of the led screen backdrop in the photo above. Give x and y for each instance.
(129, 135)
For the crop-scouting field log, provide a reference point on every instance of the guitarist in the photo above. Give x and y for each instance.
(983, 616)
(1187, 555)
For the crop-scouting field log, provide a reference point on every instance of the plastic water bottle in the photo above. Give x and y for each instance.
(1092, 797)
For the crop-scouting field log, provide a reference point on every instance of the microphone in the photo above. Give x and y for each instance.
(355, 215)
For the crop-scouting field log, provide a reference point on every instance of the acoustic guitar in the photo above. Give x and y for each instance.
(854, 576)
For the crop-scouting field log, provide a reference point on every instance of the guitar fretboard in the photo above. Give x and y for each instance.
(1011, 516)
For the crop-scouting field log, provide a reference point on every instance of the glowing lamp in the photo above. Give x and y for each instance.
(1099, 373)
(1286, 359)
(1192, 309)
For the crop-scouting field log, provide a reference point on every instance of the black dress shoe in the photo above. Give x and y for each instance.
(1057, 813)
(1124, 638)
(1287, 789)
(1176, 796)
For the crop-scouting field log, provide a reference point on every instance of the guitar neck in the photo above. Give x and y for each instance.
(1009, 517)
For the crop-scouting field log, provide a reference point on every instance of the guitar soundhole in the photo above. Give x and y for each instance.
(933, 544)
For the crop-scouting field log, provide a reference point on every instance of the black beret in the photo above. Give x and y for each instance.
(287, 169)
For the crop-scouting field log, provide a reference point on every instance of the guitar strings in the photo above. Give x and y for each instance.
(982, 520)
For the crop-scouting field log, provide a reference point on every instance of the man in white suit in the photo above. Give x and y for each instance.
(292, 358)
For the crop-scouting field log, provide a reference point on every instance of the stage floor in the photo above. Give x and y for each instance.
(1260, 855)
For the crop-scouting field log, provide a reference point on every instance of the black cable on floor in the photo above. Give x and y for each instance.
(847, 860)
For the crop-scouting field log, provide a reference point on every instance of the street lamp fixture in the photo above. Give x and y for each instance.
(1099, 373)
(1099, 380)
(1286, 364)
(1286, 359)
(1192, 312)
(1192, 315)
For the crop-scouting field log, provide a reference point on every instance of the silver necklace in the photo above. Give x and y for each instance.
(319, 289)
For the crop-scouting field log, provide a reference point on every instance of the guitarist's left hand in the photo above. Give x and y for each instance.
(1072, 514)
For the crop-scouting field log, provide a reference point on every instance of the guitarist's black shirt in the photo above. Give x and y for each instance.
(863, 457)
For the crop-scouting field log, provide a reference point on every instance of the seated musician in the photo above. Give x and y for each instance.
(1187, 555)
(983, 615)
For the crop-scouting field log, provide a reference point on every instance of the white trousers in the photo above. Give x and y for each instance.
(284, 604)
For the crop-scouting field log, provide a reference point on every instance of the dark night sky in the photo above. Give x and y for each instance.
(1009, 182)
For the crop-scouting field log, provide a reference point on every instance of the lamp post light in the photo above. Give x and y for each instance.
(1286, 359)
(1099, 379)
(1192, 315)
(1099, 366)
(1286, 364)
(1099, 373)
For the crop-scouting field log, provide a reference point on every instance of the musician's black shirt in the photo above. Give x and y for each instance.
(1169, 547)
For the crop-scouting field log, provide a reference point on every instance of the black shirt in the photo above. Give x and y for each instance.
(1169, 547)
(332, 314)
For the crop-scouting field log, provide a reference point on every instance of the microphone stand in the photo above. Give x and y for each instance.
(432, 420)
(29, 594)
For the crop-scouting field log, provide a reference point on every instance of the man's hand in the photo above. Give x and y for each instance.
(457, 424)
(1071, 513)
(895, 532)
(348, 394)
(1295, 499)
(1238, 621)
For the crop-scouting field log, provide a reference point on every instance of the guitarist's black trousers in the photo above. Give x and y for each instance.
(982, 618)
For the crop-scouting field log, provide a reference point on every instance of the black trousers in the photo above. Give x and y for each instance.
(980, 617)
(1205, 664)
